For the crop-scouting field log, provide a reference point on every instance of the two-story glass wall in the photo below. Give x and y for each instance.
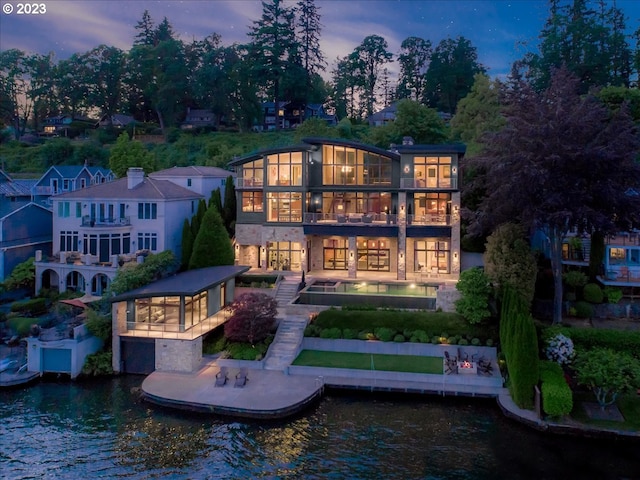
(433, 172)
(351, 166)
(285, 169)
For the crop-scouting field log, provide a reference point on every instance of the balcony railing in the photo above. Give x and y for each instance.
(249, 183)
(88, 221)
(450, 183)
(376, 218)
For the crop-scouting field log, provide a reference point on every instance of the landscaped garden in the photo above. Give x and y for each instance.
(367, 361)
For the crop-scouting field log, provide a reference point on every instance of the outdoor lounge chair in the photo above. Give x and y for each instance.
(241, 378)
(450, 364)
(222, 377)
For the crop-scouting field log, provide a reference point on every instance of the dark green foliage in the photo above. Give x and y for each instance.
(421, 335)
(99, 326)
(248, 280)
(475, 290)
(21, 325)
(385, 334)
(312, 331)
(187, 245)
(332, 333)
(212, 246)
(463, 341)
(98, 364)
(359, 307)
(613, 295)
(135, 275)
(196, 221)
(475, 341)
(229, 206)
(349, 334)
(585, 339)
(592, 293)
(607, 373)
(522, 361)
(557, 398)
(399, 338)
(583, 309)
(215, 201)
(32, 307)
(22, 276)
(245, 351)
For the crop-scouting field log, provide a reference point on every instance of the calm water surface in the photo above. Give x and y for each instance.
(101, 430)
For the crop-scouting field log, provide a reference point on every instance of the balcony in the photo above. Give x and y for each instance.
(88, 221)
(249, 183)
(429, 219)
(450, 183)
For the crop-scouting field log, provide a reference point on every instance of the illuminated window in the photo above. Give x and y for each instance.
(433, 172)
(351, 166)
(284, 207)
(252, 202)
(285, 169)
(252, 174)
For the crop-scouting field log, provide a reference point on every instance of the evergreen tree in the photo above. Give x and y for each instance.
(229, 206)
(414, 58)
(522, 360)
(187, 245)
(212, 246)
(309, 30)
(215, 201)
(196, 221)
(369, 58)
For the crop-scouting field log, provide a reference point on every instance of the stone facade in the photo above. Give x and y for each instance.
(178, 355)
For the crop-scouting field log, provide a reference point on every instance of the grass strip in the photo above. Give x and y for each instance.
(367, 361)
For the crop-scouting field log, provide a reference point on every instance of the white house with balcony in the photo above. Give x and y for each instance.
(99, 228)
(199, 179)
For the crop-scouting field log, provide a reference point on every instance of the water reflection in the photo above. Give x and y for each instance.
(101, 429)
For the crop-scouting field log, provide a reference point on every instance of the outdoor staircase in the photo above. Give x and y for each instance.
(284, 348)
(287, 290)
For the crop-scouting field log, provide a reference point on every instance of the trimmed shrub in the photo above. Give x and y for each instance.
(475, 342)
(385, 334)
(583, 309)
(590, 338)
(452, 340)
(463, 341)
(312, 331)
(399, 338)
(414, 339)
(614, 295)
(423, 337)
(332, 333)
(592, 293)
(435, 340)
(32, 307)
(349, 334)
(489, 342)
(475, 290)
(557, 398)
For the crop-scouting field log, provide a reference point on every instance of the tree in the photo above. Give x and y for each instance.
(215, 201)
(274, 43)
(128, 153)
(106, 74)
(475, 291)
(451, 73)
(309, 30)
(510, 263)
(563, 161)
(522, 360)
(607, 373)
(15, 100)
(73, 81)
(477, 114)
(229, 206)
(369, 58)
(22, 276)
(414, 58)
(196, 221)
(211, 246)
(252, 319)
(187, 245)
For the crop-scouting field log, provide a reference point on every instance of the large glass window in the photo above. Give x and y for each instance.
(195, 309)
(432, 206)
(253, 174)
(431, 255)
(118, 244)
(252, 202)
(334, 253)
(433, 172)
(284, 207)
(356, 202)
(68, 241)
(284, 256)
(285, 169)
(374, 255)
(351, 166)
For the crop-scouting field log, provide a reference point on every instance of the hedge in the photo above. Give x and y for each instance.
(557, 398)
(33, 307)
(588, 338)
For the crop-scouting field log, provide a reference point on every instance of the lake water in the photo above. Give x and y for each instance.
(100, 429)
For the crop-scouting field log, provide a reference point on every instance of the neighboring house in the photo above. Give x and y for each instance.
(202, 180)
(117, 120)
(67, 125)
(23, 232)
(344, 207)
(384, 116)
(98, 228)
(161, 326)
(68, 178)
(24, 226)
(198, 118)
(291, 114)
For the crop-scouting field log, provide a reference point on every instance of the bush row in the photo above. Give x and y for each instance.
(439, 324)
(386, 334)
(588, 338)
(32, 307)
(557, 399)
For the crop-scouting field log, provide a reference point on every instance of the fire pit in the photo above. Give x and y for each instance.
(467, 367)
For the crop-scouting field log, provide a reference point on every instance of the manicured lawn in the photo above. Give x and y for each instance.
(366, 361)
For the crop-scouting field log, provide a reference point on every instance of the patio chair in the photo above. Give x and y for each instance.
(241, 378)
(222, 377)
(484, 366)
(450, 364)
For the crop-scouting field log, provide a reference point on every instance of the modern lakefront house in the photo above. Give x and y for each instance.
(349, 209)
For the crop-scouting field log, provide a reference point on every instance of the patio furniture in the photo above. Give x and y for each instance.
(222, 377)
(241, 378)
(450, 364)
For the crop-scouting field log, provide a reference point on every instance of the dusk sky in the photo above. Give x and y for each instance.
(501, 30)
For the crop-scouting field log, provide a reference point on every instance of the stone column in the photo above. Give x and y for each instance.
(353, 257)
(402, 236)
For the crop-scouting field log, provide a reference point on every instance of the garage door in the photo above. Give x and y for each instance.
(57, 360)
(138, 355)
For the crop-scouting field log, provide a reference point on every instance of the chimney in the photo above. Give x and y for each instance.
(407, 140)
(135, 176)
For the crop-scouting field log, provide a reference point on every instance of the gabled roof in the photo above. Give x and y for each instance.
(16, 188)
(192, 171)
(27, 205)
(148, 189)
